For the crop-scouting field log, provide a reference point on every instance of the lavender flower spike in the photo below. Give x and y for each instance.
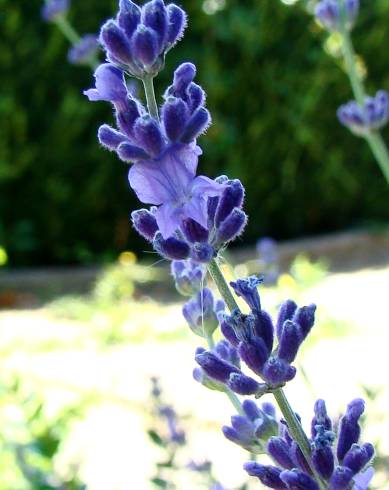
(333, 13)
(361, 120)
(139, 38)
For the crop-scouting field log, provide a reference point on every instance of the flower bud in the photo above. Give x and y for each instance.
(131, 153)
(254, 354)
(193, 231)
(276, 371)
(341, 478)
(279, 451)
(215, 367)
(290, 341)
(148, 134)
(129, 16)
(202, 253)
(155, 17)
(358, 456)
(323, 461)
(144, 45)
(231, 227)
(286, 312)
(172, 248)
(109, 137)
(305, 317)
(201, 377)
(349, 429)
(145, 223)
(267, 475)
(115, 42)
(188, 276)
(175, 115)
(298, 480)
(197, 124)
(200, 313)
(244, 385)
(231, 198)
(176, 23)
(183, 76)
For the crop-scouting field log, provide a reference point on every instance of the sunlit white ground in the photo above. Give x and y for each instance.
(110, 444)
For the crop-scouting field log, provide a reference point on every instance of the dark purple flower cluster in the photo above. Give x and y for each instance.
(373, 115)
(201, 312)
(139, 38)
(253, 337)
(252, 430)
(52, 9)
(191, 216)
(85, 51)
(343, 467)
(335, 13)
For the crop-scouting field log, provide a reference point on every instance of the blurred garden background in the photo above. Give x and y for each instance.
(88, 316)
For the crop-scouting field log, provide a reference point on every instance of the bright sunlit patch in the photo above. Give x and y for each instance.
(127, 258)
(241, 270)
(289, 2)
(3, 256)
(210, 7)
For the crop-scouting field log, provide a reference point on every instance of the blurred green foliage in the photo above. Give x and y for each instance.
(272, 90)
(30, 440)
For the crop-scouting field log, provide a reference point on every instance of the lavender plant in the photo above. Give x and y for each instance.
(84, 49)
(365, 115)
(191, 219)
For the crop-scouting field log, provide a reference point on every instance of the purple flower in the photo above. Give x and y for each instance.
(248, 290)
(252, 429)
(188, 276)
(85, 51)
(373, 115)
(332, 13)
(53, 9)
(110, 86)
(171, 184)
(201, 312)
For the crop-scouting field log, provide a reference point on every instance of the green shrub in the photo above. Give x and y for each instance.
(273, 93)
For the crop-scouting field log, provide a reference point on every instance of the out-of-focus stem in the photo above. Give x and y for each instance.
(67, 29)
(73, 37)
(374, 138)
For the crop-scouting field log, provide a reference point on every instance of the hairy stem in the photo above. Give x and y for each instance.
(296, 430)
(374, 139)
(150, 97)
(67, 30)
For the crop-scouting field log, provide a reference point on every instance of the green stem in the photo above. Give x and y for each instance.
(67, 30)
(222, 285)
(296, 430)
(374, 138)
(150, 96)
